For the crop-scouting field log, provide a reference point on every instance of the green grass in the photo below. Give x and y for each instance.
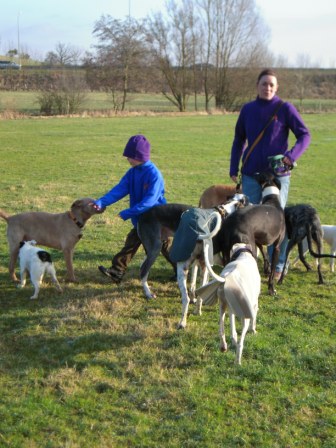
(19, 102)
(99, 366)
(26, 103)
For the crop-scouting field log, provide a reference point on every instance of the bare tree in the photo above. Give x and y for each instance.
(201, 43)
(121, 52)
(235, 36)
(64, 54)
(172, 43)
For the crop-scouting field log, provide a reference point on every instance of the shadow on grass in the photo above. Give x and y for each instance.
(72, 328)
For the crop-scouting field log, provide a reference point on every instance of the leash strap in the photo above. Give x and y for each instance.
(256, 141)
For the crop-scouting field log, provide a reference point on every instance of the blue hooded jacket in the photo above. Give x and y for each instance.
(145, 186)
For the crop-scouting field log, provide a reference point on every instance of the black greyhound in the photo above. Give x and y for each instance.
(302, 221)
(258, 225)
(155, 226)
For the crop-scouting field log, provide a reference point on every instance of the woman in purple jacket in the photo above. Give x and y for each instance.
(280, 118)
(144, 185)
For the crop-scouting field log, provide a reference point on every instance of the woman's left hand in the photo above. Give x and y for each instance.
(287, 161)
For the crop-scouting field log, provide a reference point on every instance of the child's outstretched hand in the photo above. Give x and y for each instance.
(97, 207)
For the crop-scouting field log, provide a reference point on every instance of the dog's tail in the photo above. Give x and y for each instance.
(208, 292)
(310, 246)
(4, 215)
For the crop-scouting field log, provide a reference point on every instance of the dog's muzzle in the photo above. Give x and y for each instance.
(278, 167)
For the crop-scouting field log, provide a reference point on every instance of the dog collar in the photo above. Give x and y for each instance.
(270, 190)
(75, 220)
(221, 210)
(240, 251)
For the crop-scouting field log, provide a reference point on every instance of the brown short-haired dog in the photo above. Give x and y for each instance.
(60, 231)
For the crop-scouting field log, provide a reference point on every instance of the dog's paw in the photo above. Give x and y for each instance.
(151, 296)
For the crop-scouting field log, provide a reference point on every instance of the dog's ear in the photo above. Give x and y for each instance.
(76, 204)
(244, 201)
(22, 243)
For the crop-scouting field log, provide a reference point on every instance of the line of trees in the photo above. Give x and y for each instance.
(208, 48)
(190, 50)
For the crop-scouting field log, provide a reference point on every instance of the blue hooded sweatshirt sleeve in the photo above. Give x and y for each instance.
(145, 186)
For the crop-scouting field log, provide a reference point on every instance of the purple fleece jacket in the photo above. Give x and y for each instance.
(252, 119)
(145, 186)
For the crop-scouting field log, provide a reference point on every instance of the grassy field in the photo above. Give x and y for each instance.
(99, 366)
(18, 102)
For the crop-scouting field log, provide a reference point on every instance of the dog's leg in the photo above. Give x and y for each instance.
(36, 277)
(290, 245)
(152, 249)
(149, 295)
(193, 280)
(302, 257)
(240, 345)
(182, 274)
(51, 270)
(165, 248)
(222, 308)
(253, 321)
(68, 256)
(332, 260)
(205, 280)
(193, 284)
(233, 331)
(319, 250)
(304, 246)
(264, 254)
(36, 290)
(275, 258)
(14, 252)
(23, 277)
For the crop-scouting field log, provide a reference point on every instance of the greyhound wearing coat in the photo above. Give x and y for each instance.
(210, 223)
(154, 226)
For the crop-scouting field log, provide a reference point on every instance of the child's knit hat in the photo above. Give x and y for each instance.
(138, 148)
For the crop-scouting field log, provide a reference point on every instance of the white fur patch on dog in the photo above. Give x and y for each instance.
(36, 262)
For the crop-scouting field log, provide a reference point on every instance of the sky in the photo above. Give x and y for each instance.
(300, 30)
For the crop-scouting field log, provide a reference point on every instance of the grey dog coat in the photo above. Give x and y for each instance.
(194, 222)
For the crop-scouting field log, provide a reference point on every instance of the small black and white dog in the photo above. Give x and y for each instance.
(37, 262)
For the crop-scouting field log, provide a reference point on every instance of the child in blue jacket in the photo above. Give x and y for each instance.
(144, 184)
